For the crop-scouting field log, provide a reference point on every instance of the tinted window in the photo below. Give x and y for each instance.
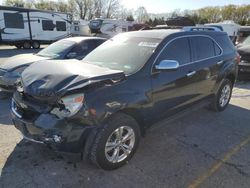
(217, 49)
(48, 25)
(203, 47)
(178, 50)
(85, 47)
(78, 50)
(225, 43)
(60, 26)
(13, 20)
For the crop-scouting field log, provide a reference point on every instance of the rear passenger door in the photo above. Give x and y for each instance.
(206, 61)
(174, 89)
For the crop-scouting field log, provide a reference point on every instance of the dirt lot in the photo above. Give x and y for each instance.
(198, 149)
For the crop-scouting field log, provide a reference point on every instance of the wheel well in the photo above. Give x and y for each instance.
(134, 113)
(231, 77)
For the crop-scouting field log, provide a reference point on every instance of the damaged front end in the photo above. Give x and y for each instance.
(49, 124)
(55, 112)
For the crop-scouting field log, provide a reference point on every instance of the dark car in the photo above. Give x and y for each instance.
(244, 51)
(69, 48)
(101, 107)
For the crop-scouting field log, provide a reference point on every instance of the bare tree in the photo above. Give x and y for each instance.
(111, 7)
(142, 15)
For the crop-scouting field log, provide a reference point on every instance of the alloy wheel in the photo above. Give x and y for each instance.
(120, 144)
(225, 95)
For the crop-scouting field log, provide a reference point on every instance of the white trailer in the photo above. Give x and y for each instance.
(31, 27)
(229, 27)
(80, 28)
(109, 27)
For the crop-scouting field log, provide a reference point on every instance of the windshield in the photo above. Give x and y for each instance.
(56, 49)
(247, 41)
(123, 52)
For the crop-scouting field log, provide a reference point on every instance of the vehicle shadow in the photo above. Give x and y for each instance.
(176, 149)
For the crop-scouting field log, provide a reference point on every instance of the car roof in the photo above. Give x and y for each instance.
(157, 33)
(80, 39)
(163, 33)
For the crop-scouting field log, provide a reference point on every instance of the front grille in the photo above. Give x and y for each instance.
(245, 57)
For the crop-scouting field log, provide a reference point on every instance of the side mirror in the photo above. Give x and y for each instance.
(167, 65)
(71, 55)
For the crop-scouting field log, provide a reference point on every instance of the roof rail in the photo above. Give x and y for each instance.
(185, 28)
(199, 28)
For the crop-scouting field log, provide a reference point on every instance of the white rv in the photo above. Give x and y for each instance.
(109, 27)
(31, 27)
(80, 28)
(230, 27)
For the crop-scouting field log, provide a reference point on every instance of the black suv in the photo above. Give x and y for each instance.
(102, 106)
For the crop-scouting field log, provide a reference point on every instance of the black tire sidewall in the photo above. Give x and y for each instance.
(34, 43)
(225, 82)
(98, 154)
(28, 45)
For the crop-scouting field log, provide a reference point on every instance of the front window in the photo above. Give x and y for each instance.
(56, 49)
(123, 52)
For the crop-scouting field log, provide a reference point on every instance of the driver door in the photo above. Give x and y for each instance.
(174, 89)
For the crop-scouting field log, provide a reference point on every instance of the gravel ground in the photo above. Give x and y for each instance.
(198, 149)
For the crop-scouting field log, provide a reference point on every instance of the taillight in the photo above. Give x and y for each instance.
(238, 57)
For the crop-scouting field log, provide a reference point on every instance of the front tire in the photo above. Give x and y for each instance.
(222, 97)
(116, 142)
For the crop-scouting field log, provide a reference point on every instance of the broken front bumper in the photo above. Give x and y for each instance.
(60, 134)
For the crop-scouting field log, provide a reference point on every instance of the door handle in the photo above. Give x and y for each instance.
(219, 62)
(191, 73)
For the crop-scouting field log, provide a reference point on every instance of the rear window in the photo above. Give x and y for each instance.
(204, 48)
(225, 43)
(13, 20)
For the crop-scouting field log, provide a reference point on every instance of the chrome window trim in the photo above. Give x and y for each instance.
(192, 62)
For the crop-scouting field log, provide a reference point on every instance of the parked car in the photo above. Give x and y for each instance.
(103, 106)
(69, 48)
(243, 33)
(244, 51)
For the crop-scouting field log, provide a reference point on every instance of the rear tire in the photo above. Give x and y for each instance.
(115, 143)
(26, 45)
(35, 44)
(222, 97)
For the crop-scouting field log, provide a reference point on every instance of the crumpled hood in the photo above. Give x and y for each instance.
(20, 60)
(49, 80)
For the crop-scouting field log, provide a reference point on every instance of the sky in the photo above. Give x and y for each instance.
(163, 6)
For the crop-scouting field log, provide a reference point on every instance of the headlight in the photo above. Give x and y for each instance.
(18, 71)
(70, 106)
